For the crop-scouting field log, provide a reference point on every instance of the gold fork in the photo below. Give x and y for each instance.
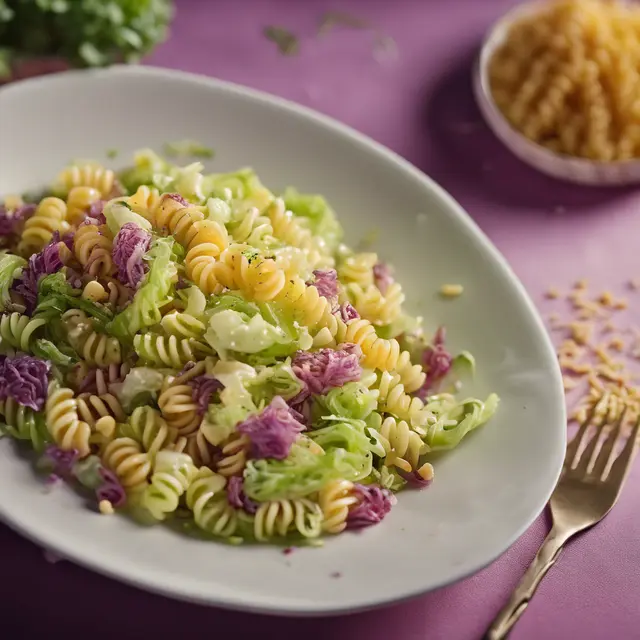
(589, 486)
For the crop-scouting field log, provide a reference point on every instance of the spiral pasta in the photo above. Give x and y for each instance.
(394, 400)
(144, 201)
(63, 423)
(335, 499)
(148, 427)
(79, 200)
(118, 294)
(240, 269)
(233, 456)
(208, 501)
(95, 348)
(209, 241)
(23, 423)
(125, 458)
(253, 228)
(182, 325)
(281, 517)
(48, 218)
(18, 331)
(172, 474)
(201, 451)
(174, 218)
(93, 407)
(378, 353)
(373, 306)
(289, 230)
(358, 269)
(92, 247)
(402, 445)
(178, 407)
(88, 175)
(412, 376)
(164, 351)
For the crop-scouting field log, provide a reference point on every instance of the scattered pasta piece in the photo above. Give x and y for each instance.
(451, 290)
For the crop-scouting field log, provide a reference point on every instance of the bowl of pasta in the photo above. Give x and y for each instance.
(209, 345)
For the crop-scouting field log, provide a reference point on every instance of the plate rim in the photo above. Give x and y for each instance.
(147, 582)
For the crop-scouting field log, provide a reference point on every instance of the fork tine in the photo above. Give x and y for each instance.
(605, 456)
(586, 458)
(622, 463)
(574, 447)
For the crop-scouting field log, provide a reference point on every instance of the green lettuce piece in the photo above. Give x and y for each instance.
(140, 386)
(463, 366)
(155, 292)
(221, 420)
(240, 328)
(322, 218)
(183, 148)
(118, 213)
(278, 380)
(233, 301)
(243, 185)
(231, 331)
(302, 473)
(147, 164)
(351, 435)
(46, 350)
(386, 477)
(352, 400)
(455, 419)
(218, 210)
(56, 295)
(10, 268)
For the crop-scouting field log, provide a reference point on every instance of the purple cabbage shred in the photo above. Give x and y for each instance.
(326, 282)
(95, 213)
(41, 264)
(436, 361)
(57, 462)
(203, 388)
(383, 277)
(414, 478)
(10, 222)
(237, 497)
(175, 196)
(326, 368)
(347, 312)
(373, 505)
(273, 431)
(110, 489)
(24, 378)
(129, 247)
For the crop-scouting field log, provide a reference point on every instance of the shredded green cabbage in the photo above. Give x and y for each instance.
(455, 419)
(118, 213)
(321, 217)
(10, 268)
(302, 473)
(144, 310)
(140, 386)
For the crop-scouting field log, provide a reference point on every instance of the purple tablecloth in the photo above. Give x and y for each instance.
(420, 106)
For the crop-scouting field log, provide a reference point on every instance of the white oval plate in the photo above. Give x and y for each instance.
(486, 493)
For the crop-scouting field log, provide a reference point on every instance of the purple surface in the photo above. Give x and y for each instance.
(420, 106)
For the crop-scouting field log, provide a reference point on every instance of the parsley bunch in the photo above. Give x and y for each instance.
(82, 32)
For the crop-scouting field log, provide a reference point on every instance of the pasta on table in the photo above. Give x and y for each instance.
(193, 347)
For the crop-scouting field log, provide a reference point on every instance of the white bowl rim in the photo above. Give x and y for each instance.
(145, 581)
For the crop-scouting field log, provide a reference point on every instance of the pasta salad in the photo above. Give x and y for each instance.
(193, 348)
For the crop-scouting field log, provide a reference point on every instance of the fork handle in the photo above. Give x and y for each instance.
(544, 560)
